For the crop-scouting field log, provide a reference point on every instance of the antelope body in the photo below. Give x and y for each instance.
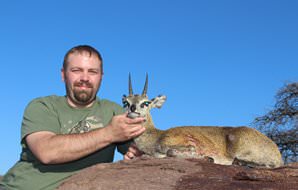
(222, 145)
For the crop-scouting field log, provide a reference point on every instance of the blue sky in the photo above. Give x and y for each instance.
(219, 62)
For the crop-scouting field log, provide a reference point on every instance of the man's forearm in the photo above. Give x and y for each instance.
(57, 149)
(75, 146)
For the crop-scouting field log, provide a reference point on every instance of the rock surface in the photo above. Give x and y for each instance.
(180, 174)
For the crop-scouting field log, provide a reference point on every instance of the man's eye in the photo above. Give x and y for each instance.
(75, 70)
(93, 72)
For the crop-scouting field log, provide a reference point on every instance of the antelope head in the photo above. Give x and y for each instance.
(139, 105)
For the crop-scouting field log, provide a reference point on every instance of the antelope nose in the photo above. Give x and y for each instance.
(133, 108)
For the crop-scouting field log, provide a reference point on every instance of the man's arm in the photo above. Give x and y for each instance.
(51, 148)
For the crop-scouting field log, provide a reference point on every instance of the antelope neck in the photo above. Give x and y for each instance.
(149, 122)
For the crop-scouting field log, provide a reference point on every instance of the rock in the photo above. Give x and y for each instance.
(180, 174)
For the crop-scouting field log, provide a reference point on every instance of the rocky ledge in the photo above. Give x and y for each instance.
(180, 174)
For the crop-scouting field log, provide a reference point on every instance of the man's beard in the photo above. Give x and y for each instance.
(82, 97)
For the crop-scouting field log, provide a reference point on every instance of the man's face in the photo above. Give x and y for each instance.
(82, 78)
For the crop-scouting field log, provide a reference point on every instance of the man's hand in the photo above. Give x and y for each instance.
(121, 128)
(132, 152)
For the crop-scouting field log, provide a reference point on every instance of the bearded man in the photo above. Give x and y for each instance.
(61, 135)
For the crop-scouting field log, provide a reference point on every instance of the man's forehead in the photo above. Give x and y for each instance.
(78, 58)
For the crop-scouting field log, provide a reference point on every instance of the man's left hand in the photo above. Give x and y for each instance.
(132, 152)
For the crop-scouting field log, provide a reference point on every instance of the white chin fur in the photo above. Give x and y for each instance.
(133, 115)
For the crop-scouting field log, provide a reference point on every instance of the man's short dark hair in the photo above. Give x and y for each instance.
(81, 49)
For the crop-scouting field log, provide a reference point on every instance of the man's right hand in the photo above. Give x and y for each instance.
(122, 128)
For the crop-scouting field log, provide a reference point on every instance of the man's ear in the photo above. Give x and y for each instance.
(158, 101)
(63, 74)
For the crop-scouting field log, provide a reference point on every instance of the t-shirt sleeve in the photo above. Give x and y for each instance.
(39, 116)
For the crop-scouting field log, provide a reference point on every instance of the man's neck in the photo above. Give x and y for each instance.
(78, 105)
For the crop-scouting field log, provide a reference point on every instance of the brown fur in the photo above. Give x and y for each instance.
(223, 145)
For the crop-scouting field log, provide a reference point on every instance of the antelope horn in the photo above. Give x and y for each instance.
(129, 85)
(146, 86)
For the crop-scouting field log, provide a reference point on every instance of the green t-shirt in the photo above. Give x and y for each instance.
(53, 114)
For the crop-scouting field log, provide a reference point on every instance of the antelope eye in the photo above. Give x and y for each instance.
(125, 104)
(145, 104)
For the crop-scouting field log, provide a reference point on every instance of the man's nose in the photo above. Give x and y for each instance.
(84, 76)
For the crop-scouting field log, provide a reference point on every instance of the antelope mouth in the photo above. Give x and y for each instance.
(133, 115)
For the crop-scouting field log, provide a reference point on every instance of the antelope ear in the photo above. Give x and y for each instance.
(158, 101)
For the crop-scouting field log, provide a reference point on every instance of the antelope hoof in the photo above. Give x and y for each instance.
(172, 153)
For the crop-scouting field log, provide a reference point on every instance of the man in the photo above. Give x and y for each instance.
(64, 134)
